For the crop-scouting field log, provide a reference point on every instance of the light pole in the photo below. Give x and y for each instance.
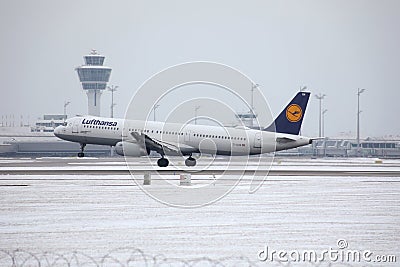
(323, 122)
(66, 103)
(359, 92)
(112, 89)
(154, 111)
(253, 86)
(320, 97)
(252, 112)
(196, 108)
(323, 130)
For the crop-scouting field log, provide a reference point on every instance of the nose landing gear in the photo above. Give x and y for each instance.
(81, 154)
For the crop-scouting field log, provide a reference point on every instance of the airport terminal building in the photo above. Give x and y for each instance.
(329, 147)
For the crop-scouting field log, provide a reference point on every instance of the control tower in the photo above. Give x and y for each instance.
(94, 77)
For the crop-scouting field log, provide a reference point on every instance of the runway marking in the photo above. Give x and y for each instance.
(13, 184)
(381, 181)
(349, 173)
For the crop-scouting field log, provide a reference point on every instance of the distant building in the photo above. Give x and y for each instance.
(248, 119)
(48, 123)
(94, 78)
(348, 148)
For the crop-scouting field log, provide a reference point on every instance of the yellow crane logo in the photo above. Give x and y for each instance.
(294, 113)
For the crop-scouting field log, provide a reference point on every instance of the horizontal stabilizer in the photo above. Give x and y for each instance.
(284, 140)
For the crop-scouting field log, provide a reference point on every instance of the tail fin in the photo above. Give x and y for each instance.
(290, 119)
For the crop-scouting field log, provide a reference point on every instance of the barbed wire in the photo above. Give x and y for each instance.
(118, 257)
(127, 257)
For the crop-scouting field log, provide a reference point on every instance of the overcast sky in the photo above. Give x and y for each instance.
(333, 47)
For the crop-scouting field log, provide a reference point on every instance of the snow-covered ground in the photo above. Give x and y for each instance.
(98, 220)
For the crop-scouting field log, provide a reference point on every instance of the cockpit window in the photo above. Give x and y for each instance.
(65, 123)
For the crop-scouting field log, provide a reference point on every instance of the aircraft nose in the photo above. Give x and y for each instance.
(57, 131)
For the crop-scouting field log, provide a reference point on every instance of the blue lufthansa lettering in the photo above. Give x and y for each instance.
(99, 122)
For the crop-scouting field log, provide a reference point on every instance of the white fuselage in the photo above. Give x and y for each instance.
(207, 139)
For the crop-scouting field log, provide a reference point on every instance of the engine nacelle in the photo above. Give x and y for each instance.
(130, 149)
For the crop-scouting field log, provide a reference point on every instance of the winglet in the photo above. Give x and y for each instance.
(290, 119)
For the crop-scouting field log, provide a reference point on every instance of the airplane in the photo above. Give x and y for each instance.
(138, 138)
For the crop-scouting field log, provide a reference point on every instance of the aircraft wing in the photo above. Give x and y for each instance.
(163, 147)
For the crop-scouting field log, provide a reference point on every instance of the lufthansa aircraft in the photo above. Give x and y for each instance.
(138, 138)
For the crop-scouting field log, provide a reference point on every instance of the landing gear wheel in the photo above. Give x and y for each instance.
(190, 162)
(163, 162)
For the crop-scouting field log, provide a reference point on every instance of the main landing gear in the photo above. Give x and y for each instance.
(81, 154)
(163, 162)
(190, 162)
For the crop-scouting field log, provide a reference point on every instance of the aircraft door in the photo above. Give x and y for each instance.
(187, 136)
(75, 127)
(257, 140)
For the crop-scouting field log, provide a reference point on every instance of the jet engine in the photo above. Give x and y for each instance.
(130, 149)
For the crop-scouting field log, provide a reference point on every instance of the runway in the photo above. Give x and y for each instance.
(251, 166)
(102, 217)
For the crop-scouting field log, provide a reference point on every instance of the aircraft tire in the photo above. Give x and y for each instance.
(162, 162)
(190, 162)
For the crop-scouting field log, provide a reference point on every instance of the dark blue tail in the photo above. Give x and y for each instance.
(290, 119)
